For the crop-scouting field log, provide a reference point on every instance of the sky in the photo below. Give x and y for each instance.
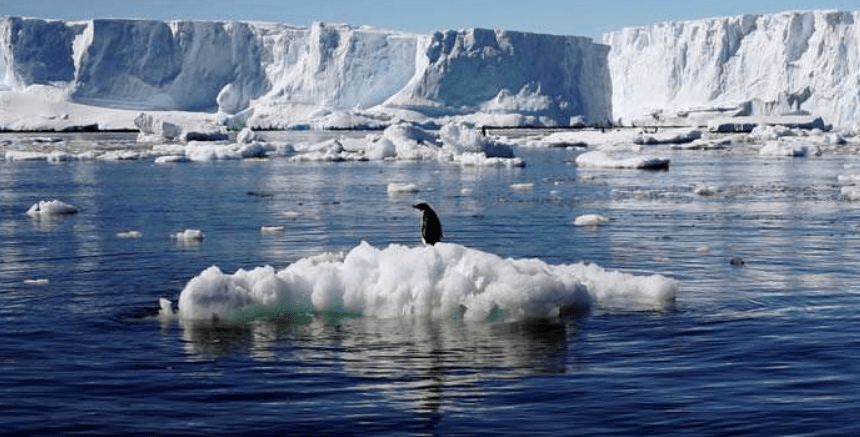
(571, 17)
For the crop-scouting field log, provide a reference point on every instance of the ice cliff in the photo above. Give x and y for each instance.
(750, 64)
(275, 74)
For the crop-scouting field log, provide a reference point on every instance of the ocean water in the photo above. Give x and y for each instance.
(770, 347)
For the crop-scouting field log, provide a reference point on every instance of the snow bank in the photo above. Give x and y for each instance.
(278, 75)
(599, 159)
(762, 65)
(444, 280)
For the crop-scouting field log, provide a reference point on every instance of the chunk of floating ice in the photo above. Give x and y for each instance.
(292, 214)
(51, 208)
(165, 307)
(705, 190)
(129, 235)
(169, 159)
(598, 159)
(36, 282)
(395, 187)
(590, 220)
(851, 193)
(443, 280)
(189, 235)
(523, 187)
(271, 229)
(776, 148)
(467, 191)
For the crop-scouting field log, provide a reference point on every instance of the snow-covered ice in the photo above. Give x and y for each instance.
(590, 220)
(51, 208)
(189, 235)
(444, 280)
(603, 160)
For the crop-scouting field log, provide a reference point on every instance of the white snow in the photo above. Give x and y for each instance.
(444, 280)
(51, 208)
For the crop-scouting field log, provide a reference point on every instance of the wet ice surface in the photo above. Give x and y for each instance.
(767, 347)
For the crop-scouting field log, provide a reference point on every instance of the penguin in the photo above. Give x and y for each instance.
(431, 227)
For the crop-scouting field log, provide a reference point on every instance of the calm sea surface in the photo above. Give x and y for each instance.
(771, 347)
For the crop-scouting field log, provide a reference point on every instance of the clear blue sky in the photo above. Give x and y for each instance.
(573, 17)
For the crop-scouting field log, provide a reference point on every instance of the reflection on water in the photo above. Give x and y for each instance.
(415, 363)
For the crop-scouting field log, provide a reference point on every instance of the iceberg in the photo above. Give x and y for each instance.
(271, 75)
(444, 280)
(789, 63)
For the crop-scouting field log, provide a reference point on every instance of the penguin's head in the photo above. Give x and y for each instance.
(422, 206)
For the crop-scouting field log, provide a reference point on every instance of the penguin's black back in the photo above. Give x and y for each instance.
(431, 227)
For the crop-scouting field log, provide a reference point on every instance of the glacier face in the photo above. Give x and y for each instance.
(265, 67)
(806, 58)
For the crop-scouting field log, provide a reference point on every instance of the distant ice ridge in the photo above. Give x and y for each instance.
(278, 75)
(445, 280)
(744, 65)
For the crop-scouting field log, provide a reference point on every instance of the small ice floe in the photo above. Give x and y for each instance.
(851, 193)
(396, 187)
(271, 230)
(778, 148)
(599, 159)
(170, 159)
(590, 220)
(37, 282)
(705, 190)
(165, 307)
(129, 235)
(292, 214)
(189, 236)
(466, 191)
(703, 249)
(523, 187)
(51, 208)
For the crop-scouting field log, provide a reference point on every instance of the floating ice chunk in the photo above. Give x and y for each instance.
(271, 230)
(705, 190)
(851, 193)
(51, 208)
(467, 191)
(777, 148)
(165, 307)
(396, 187)
(170, 159)
(37, 282)
(129, 235)
(155, 129)
(462, 138)
(590, 220)
(292, 214)
(599, 159)
(523, 187)
(189, 235)
(444, 280)
(669, 137)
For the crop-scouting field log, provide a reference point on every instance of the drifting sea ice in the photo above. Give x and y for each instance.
(51, 208)
(189, 235)
(444, 280)
(598, 159)
(590, 220)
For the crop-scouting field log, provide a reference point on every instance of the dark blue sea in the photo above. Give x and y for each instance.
(769, 346)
